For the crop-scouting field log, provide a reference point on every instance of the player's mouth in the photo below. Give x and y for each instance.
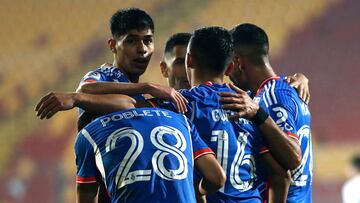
(141, 62)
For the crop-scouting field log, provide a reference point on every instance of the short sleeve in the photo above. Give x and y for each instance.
(199, 146)
(283, 110)
(92, 76)
(87, 171)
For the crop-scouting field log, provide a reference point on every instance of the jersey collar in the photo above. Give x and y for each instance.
(264, 83)
(208, 83)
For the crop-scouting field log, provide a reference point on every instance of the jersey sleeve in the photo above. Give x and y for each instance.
(199, 146)
(92, 76)
(283, 110)
(87, 171)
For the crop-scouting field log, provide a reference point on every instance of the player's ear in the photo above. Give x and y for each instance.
(164, 69)
(188, 61)
(112, 44)
(229, 68)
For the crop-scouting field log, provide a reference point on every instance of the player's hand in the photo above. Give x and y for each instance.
(301, 83)
(54, 102)
(239, 102)
(169, 93)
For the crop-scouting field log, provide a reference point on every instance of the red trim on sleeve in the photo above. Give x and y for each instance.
(152, 103)
(89, 81)
(263, 149)
(264, 82)
(85, 180)
(202, 152)
(293, 135)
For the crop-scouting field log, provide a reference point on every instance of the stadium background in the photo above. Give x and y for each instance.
(50, 45)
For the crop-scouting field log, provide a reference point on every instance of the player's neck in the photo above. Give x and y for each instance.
(133, 79)
(259, 75)
(202, 78)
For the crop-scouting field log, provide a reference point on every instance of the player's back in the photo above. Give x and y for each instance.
(144, 155)
(292, 115)
(235, 147)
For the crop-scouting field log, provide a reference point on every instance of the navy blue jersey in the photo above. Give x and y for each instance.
(236, 147)
(292, 115)
(142, 155)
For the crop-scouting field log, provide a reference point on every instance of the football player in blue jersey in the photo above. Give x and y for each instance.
(172, 65)
(132, 47)
(238, 146)
(276, 98)
(144, 155)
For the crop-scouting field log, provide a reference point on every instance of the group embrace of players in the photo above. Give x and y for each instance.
(249, 141)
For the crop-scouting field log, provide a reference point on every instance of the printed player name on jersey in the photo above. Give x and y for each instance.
(220, 114)
(131, 114)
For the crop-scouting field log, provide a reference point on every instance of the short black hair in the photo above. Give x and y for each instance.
(182, 38)
(251, 41)
(127, 19)
(355, 162)
(212, 48)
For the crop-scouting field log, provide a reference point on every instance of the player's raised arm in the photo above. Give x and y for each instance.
(285, 149)
(54, 102)
(301, 83)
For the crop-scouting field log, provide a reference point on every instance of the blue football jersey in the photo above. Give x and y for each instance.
(107, 74)
(102, 74)
(292, 115)
(236, 147)
(142, 155)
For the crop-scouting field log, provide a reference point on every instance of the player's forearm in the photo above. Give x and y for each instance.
(208, 187)
(278, 188)
(103, 104)
(213, 174)
(115, 88)
(285, 150)
(87, 193)
(278, 179)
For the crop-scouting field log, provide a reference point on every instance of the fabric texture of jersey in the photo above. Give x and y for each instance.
(236, 148)
(142, 155)
(101, 74)
(292, 115)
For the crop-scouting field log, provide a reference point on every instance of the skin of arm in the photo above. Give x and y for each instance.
(214, 176)
(87, 193)
(301, 83)
(131, 89)
(96, 104)
(286, 150)
(279, 180)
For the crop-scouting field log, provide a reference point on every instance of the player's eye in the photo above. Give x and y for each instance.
(179, 61)
(148, 41)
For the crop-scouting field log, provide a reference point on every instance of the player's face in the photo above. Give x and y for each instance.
(176, 68)
(134, 50)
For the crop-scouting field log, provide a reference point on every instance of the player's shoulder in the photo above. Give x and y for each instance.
(110, 71)
(206, 91)
(279, 91)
